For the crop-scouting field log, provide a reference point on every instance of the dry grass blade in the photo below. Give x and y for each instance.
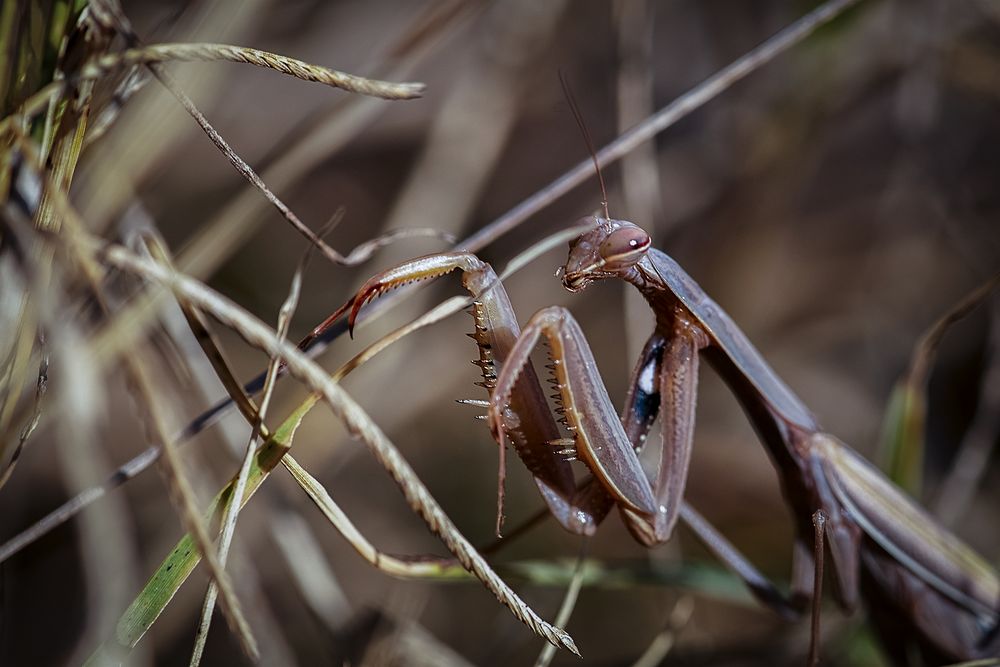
(364, 250)
(358, 255)
(316, 143)
(309, 569)
(665, 640)
(71, 508)
(16, 366)
(408, 567)
(112, 15)
(213, 352)
(141, 382)
(357, 421)
(184, 496)
(64, 139)
(160, 53)
(131, 84)
(41, 386)
(147, 458)
(232, 512)
(31, 107)
(971, 462)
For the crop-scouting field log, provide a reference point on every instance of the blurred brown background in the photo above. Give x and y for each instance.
(836, 203)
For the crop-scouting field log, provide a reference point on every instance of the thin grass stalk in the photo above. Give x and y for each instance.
(181, 490)
(664, 641)
(213, 243)
(141, 381)
(548, 651)
(902, 446)
(231, 514)
(690, 101)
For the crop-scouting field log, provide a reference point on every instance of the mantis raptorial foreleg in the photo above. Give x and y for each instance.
(528, 422)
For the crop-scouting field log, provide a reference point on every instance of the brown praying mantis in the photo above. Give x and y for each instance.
(928, 594)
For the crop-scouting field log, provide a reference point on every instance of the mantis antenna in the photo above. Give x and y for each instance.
(586, 138)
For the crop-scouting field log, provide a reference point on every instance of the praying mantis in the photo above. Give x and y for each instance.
(928, 594)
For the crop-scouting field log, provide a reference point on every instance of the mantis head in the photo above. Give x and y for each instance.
(607, 251)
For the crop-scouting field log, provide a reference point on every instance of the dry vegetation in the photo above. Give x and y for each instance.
(836, 201)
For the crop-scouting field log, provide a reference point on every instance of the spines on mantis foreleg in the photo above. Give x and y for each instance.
(487, 360)
(526, 421)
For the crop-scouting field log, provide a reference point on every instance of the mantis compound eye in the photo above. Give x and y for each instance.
(624, 247)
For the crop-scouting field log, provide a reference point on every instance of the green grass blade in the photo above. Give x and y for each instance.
(700, 578)
(181, 561)
(903, 434)
(902, 444)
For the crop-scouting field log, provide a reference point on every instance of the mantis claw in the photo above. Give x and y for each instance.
(423, 268)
